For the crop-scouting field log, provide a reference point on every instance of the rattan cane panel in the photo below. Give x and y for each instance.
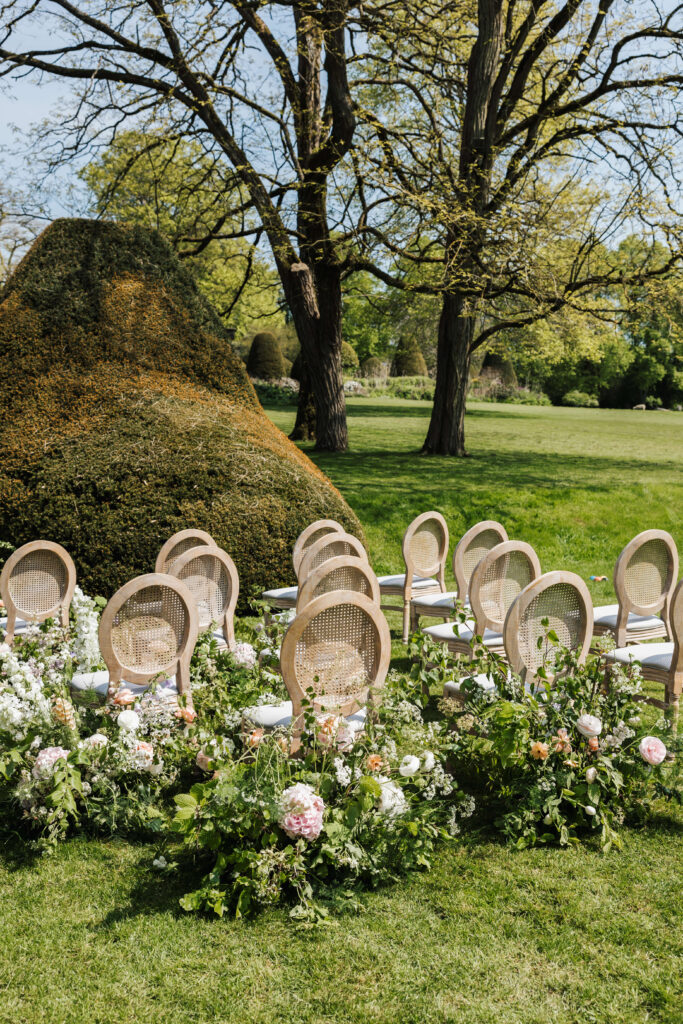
(561, 605)
(316, 535)
(38, 582)
(504, 579)
(425, 546)
(331, 550)
(346, 577)
(179, 549)
(209, 583)
(337, 655)
(646, 575)
(480, 546)
(148, 631)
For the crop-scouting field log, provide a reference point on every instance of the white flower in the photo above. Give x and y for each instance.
(46, 760)
(98, 739)
(589, 725)
(590, 810)
(129, 720)
(547, 820)
(409, 765)
(591, 774)
(86, 647)
(160, 863)
(245, 655)
(392, 801)
(342, 771)
(428, 761)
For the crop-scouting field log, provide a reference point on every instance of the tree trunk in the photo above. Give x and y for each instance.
(304, 426)
(446, 434)
(317, 311)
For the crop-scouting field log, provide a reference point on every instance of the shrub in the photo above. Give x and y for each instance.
(408, 360)
(373, 367)
(414, 388)
(265, 359)
(580, 399)
(349, 358)
(125, 416)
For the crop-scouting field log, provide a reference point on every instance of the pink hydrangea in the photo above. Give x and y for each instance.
(46, 760)
(245, 655)
(652, 750)
(301, 814)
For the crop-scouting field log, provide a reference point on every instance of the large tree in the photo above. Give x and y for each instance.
(518, 141)
(262, 87)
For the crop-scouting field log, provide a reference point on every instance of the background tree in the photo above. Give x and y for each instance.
(262, 87)
(495, 129)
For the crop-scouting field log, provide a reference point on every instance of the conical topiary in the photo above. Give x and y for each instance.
(408, 360)
(265, 359)
(349, 358)
(497, 365)
(373, 367)
(125, 416)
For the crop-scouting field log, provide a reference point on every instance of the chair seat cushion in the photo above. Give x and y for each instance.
(19, 625)
(654, 656)
(398, 581)
(95, 685)
(445, 632)
(273, 716)
(606, 616)
(453, 687)
(281, 594)
(437, 601)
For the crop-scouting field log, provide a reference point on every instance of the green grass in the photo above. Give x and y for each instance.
(490, 936)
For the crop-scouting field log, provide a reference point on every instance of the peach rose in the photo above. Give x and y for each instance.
(593, 744)
(539, 750)
(374, 763)
(187, 714)
(253, 738)
(202, 761)
(123, 697)
(562, 744)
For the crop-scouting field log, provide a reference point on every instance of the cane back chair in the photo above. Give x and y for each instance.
(179, 543)
(497, 580)
(286, 597)
(644, 578)
(468, 552)
(425, 550)
(211, 577)
(37, 583)
(345, 572)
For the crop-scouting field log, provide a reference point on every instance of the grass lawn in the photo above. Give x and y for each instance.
(93, 935)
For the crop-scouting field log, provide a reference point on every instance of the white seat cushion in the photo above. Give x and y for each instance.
(606, 615)
(438, 601)
(399, 580)
(281, 593)
(445, 631)
(97, 684)
(657, 656)
(272, 716)
(452, 686)
(19, 625)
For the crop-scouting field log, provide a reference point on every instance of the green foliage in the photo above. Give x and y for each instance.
(265, 358)
(408, 360)
(373, 367)
(580, 399)
(349, 358)
(415, 388)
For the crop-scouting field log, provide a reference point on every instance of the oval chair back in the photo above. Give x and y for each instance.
(338, 647)
(331, 546)
(179, 543)
(345, 572)
(211, 577)
(425, 549)
(37, 583)
(498, 579)
(148, 630)
(470, 550)
(564, 600)
(308, 537)
(644, 578)
(675, 684)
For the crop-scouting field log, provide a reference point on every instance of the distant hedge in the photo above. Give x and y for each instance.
(125, 416)
(408, 360)
(349, 357)
(265, 360)
(373, 367)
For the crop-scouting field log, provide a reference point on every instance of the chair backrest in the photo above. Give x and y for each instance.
(320, 528)
(331, 546)
(148, 630)
(676, 626)
(644, 576)
(564, 600)
(470, 550)
(37, 583)
(498, 579)
(425, 548)
(339, 647)
(211, 577)
(345, 572)
(179, 543)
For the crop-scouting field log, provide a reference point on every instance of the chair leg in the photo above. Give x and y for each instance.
(406, 621)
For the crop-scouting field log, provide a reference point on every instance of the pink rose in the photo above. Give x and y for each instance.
(302, 812)
(652, 750)
(124, 696)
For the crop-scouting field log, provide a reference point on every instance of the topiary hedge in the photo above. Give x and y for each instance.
(373, 367)
(349, 358)
(125, 416)
(408, 360)
(265, 360)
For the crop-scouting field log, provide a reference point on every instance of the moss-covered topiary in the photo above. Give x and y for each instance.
(265, 359)
(349, 358)
(373, 367)
(126, 417)
(408, 360)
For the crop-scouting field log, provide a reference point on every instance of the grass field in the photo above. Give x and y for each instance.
(93, 935)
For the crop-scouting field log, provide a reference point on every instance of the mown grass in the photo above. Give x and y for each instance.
(549, 936)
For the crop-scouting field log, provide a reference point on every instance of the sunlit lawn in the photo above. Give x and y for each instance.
(94, 935)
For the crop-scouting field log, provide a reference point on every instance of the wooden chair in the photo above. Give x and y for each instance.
(425, 550)
(179, 543)
(564, 600)
(339, 647)
(498, 579)
(644, 578)
(211, 577)
(331, 545)
(468, 552)
(147, 632)
(37, 583)
(341, 573)
(660, 662)
(286, 597)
